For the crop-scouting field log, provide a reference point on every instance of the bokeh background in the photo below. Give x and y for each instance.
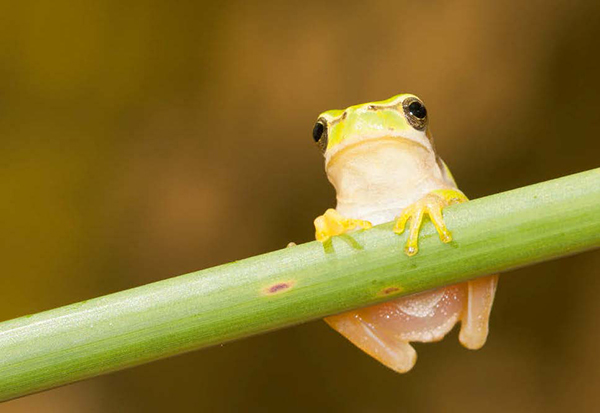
(146, 139)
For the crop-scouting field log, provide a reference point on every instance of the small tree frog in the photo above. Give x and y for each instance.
(380, 158)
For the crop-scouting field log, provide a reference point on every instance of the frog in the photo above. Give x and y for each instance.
(381, 159)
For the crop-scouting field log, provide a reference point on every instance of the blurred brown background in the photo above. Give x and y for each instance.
(142, 140)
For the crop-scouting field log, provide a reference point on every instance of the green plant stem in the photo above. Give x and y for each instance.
(295, 285)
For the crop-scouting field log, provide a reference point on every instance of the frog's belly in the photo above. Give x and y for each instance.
(379, 212)
(368, 213)
(378, 179)
(382, 203)
(421, 317)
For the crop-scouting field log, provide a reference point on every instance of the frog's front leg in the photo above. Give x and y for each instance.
(332, 223)
(431, 204)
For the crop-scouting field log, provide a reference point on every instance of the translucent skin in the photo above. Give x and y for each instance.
(381, 168)
(384, 331)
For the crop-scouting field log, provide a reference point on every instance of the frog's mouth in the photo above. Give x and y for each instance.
(372, 147)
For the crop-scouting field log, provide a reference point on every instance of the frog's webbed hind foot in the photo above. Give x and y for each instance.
(332, 223)
(432, 205)
(396, 354)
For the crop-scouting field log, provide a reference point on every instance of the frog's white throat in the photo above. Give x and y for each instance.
(376, 178)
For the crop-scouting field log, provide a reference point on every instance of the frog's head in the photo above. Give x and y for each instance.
(401, 120)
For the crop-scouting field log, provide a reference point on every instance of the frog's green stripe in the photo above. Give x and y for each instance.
(295, 285)
(370, 117)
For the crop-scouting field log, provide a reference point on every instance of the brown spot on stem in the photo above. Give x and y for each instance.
(278, 288)
(389, 290)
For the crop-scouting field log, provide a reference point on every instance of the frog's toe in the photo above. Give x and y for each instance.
(413, 213)
(416, 219)
(435, 214)
(403, 219)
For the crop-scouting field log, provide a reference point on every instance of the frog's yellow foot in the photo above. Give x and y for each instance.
(332, 223)
(431, 204)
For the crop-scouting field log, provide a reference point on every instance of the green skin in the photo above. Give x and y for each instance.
(364, 122)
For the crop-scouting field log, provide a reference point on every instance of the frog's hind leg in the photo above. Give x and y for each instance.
(476, 313)
(395, 354)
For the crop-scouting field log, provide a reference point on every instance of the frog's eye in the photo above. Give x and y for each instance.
(320, 134)
(415, 113)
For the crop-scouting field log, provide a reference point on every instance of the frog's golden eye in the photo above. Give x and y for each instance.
(415, 113)
(320, 134)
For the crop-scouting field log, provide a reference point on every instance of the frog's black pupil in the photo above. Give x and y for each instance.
(318, 131)
(418, 110)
